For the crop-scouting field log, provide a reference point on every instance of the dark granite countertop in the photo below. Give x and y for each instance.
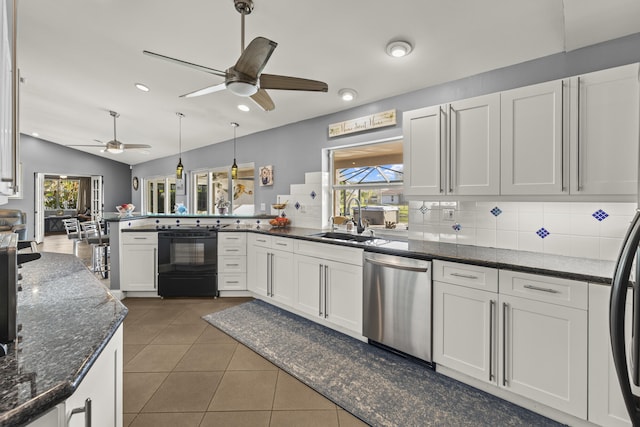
(584, 269)
(116, 217)
(67, 318)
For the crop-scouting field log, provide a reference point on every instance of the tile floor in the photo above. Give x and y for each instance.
(181, 371)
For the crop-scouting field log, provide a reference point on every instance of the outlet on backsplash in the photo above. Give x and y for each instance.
(448, 214)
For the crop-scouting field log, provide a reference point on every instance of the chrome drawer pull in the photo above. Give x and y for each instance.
(232, 265)
(281, 244)
(231, 250)
(232, 281)
(464, 276)
(537, 288)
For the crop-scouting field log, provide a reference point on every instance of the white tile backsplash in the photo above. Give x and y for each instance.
(573, 230)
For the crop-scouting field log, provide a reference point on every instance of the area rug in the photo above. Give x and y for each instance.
(377, 386)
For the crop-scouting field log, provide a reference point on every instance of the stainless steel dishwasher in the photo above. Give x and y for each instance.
(397, 303)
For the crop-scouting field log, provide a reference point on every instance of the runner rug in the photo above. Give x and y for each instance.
(377, 386)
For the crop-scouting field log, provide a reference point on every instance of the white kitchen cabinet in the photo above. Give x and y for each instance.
(606, 404)
(465, 299)
(139, 261)
(270, 267)
(101, 388)
(534, 156)
(604, 132)
(329, 284)
(453, 149)
(232, 261)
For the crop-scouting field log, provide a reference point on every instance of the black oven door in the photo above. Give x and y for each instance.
(187, 263)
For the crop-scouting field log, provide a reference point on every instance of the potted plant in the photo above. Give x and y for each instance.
(222, 205)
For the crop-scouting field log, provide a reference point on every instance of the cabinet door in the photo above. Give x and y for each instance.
(473, 149)
(308, 277)
(606, 405)
(422, 152)
(343, 295)
(544, 353)
(465, 330)
(532, 140)
(103, 385)
(257, 269)
(138, 269)
(282, 276)
(604, 152)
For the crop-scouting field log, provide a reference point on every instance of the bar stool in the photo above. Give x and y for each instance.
(99, 247)
(74, 233)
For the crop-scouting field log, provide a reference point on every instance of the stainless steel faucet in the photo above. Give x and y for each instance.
(359, 225)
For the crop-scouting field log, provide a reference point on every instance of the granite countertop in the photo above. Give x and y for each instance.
(116, 217)
(583, 269)
(67, 318)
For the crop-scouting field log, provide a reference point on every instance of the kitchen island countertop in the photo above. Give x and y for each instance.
(67, 317)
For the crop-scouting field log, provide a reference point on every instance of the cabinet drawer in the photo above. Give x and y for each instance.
(471, 276)
(232, 282)
(329, 252)
(149, 238)
(260, 240)
(232, 264)
(570, 293)
(231, 250)
(232, 239)
(282, 243)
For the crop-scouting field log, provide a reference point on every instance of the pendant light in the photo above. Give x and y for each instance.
(234, 167)
(179, 168)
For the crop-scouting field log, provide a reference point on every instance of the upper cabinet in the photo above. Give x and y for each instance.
(453, 149)
(533, 159)
(577, 137)
(604, 137)
(8, 101)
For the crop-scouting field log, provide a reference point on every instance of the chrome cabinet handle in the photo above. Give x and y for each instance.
(326, 280)
(450, 149)
(231, 250)
(232, 281)
(320, 290)
(268, 274)
(537, 288)
(464, 276)
(140, 238)
(441, 113)
(562, 187)
(155, 268)
(281, 244)
(232, 265)
(492, 304)
(86, 409)
(579, 184)
(505, 308)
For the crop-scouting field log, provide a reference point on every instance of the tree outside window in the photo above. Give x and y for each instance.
(61, 193)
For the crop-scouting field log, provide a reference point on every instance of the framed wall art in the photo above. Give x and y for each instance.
(266, 175)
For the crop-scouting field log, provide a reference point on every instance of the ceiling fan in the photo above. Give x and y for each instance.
(245, 78)
(114, 146)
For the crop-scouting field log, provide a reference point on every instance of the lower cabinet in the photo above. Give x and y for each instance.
(100, 390)
(232, 261)
(606, 405)
(528, 337)
(139, 262)
(270, 270)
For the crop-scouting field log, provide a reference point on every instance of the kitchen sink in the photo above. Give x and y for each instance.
(348, 237)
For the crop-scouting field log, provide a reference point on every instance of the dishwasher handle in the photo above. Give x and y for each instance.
(397, 266)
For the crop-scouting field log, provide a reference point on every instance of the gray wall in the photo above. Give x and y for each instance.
(295, 149)
(38, 155)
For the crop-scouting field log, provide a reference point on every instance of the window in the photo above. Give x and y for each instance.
(61, 193)
(161, 194)
(373, 174)
(215, 193)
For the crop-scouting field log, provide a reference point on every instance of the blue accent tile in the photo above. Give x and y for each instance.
(496, 211)
(600, 215)
(313, 194)
(177, 221)
(542, 232)
(456, 227)
(424, 209)
(157, 221)
(297, 205)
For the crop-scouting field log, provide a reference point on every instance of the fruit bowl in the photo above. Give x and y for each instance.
(125, 209)
(279, 222)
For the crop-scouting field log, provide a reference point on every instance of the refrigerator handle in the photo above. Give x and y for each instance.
(617, 303)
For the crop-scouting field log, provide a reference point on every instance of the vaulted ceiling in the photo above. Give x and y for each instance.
(81, 58)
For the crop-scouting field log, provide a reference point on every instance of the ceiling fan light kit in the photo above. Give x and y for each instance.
(245, 78)
(399, 48)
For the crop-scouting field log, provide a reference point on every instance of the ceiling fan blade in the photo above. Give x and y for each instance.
(84, 145)
(264, 101)
(255, 57)
(274, 81)
(135, 146)
(205, 91)
(187, 64)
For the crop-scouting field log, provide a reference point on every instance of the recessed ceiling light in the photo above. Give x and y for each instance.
(36, 134)
(142, 87)
(399, 48)
(243, 107)
(347, 94)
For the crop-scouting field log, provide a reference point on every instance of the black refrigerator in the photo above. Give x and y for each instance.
(627, 365)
